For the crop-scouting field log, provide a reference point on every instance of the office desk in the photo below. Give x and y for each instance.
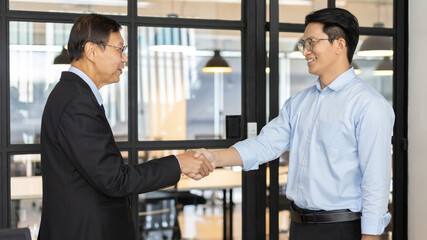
(224, 178)
(218, 179)
(26, 187)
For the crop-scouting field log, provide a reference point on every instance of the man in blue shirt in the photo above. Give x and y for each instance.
(339, 136)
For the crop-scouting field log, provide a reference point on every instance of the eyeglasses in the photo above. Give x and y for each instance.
(121, 49)
(308, 43)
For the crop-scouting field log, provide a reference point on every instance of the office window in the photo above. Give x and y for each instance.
(26, 192)
(33, 48)
(191, 209)
(213, 9)
(110, 7)
(178, 98)
(35, 68)
(145, 118)
(373, 60)
(294, 11)
(378, 13)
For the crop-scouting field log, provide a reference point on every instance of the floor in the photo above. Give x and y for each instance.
(197, 224)
(201, 222)
(206, 221)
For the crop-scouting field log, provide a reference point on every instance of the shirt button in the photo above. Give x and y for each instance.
(304, 164)
(299, 187)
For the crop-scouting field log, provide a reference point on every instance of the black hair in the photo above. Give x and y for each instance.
(338, 23)
(94, 28)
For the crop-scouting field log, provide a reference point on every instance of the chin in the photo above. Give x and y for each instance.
(313, 71)
(116, 79)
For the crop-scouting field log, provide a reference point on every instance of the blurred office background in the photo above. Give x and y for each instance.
(199, 71)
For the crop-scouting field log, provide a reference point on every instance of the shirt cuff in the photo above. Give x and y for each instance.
(375, 225)
(248, 161)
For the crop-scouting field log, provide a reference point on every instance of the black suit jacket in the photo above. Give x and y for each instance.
(85, 181)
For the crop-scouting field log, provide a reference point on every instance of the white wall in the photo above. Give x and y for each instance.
(417, 122)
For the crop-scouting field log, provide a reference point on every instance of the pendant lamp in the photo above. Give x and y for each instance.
(63, 58)
(357, 70)
(376, 46)
(217, 64)
(385, 68)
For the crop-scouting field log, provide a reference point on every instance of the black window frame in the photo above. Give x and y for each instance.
(253, 27)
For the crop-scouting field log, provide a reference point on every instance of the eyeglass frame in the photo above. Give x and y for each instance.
(302, 44)
(122, 49)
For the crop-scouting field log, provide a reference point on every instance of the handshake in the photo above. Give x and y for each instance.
(197, 164)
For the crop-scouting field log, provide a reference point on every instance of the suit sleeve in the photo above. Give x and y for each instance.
(87, 139)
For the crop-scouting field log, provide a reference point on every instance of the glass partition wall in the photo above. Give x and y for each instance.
(171, 97)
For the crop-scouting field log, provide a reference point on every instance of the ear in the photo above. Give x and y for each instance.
(341, 46)
(90, 51)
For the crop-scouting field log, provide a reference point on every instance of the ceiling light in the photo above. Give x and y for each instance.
(376, 46)
(357, 70)
(385, 68)
(217, 64)
(63, 58)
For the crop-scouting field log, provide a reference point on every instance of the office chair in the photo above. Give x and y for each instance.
(15, 234)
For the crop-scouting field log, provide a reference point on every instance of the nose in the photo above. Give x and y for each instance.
(124, 58)
(305, 52)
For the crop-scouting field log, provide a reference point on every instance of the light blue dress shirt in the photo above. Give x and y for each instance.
(340, 149)
(89, 82)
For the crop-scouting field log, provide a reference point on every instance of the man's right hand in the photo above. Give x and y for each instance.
(202, 152)
(196, 168)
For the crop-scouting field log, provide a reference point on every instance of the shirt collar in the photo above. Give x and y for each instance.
(89, 82)
(340, 81)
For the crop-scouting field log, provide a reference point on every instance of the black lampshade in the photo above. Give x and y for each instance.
(375, 46)
(217, 64)
(385, 68)
(356, 68)
(62, 58)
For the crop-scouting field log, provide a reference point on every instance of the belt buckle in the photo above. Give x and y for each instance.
(303, 219)
(315, 217)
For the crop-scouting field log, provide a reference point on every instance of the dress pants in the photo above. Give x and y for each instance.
(326, 231)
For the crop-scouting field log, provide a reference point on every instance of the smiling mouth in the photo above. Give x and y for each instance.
(311, 60)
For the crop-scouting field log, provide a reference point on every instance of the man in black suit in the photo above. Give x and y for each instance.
(85, 181)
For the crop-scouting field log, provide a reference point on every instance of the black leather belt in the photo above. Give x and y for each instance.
(334, 216)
